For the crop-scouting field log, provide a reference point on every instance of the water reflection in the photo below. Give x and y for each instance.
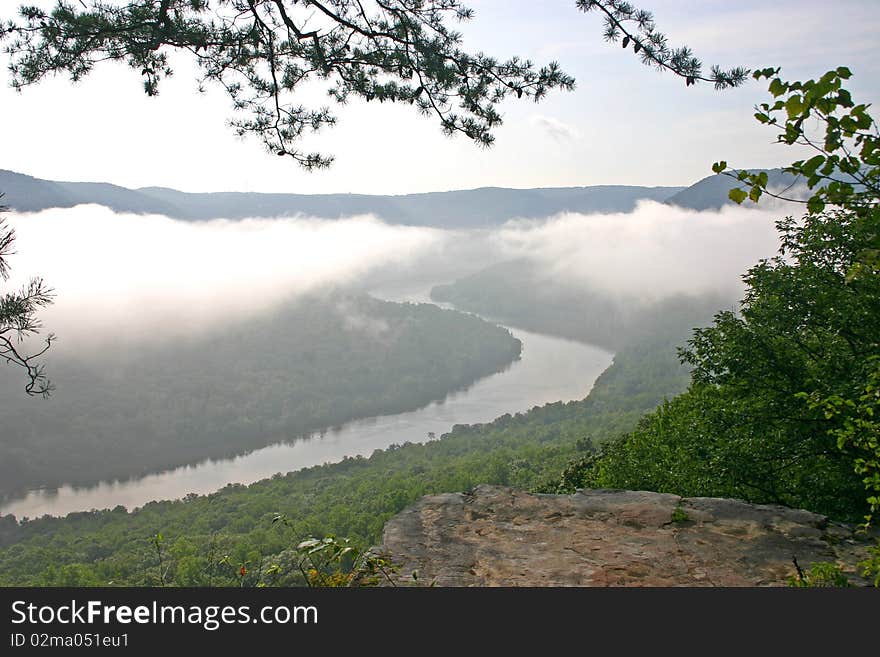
(550, 369)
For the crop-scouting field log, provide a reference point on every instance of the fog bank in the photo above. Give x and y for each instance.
(655, 251)
(150, 275)
(134, 277)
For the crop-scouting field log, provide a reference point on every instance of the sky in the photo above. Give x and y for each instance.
(623, 124)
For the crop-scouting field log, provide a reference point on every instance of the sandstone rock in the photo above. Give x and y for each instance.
(496, 536)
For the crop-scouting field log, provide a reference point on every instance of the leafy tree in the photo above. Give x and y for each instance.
(832, 303)
(845, 171)
(742, 429)
(18, 320)
(261, 52)
(858, 430)
(783, 397)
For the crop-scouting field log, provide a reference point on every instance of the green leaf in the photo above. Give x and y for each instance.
(765, 73)
(737, 195)
(844, 98)
(815, 205)
(776, 88)
(794, 106)
(718, 167)
(809, 167)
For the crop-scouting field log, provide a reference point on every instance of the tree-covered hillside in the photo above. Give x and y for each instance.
(519, 293)
(785, 392)
(129, 409)
(205, 539)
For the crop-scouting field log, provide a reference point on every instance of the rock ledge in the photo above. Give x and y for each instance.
(494, 536)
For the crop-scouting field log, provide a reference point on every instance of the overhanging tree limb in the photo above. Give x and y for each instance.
(18, 320)
(629, 25)
(262, 52)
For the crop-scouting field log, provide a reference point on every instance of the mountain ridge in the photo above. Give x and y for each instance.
(472, 208)
(480, 207)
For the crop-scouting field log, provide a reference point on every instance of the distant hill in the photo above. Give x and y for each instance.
(29, 194)
(519, 293)
(711, 193)
(457, 209)
(473, 208)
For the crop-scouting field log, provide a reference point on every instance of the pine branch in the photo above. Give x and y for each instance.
(626, 24)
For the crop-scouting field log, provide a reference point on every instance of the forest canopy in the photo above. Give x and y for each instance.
(311, 364)
(784, 391)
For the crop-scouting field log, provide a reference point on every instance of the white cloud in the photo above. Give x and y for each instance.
(137, 276)
(557, 129)
(654, 251)
(131, 277)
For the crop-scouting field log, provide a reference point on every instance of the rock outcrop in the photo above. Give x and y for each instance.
(494, 536)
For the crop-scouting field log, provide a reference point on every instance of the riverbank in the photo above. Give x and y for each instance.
(550, 369)
(352, 498)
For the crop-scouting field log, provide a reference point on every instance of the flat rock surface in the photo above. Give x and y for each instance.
(495, 536)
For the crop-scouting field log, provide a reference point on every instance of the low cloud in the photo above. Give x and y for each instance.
(555, 128)
(123, 277)
(654, 251)
(136, 276)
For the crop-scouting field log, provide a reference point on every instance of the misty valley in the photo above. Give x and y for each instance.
(330, 372)
(308, 365)
(166, 379)
(402, 295)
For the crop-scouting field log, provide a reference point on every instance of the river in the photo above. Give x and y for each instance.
(550, 369)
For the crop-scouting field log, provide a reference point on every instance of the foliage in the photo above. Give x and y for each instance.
(352, 498)
(264, 52)
(746, 427)
(629, 25)
(821, 574)
(708, 442)
(858, 431)
(845, 171)
(334, 562)
(844, 174)
(679, 515)
(783, 398)
(871, 566)
(18, 320)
